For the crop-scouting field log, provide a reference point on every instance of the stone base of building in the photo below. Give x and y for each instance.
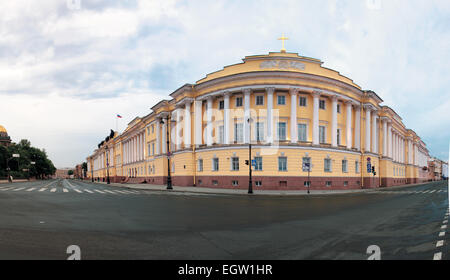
(269, 183)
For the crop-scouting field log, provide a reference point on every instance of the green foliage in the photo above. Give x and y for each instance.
(42, 167)
(70, 172)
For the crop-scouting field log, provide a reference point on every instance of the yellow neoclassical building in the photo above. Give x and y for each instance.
(298, 115)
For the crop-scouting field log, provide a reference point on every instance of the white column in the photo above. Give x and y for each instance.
(270, 132)
(246, 115)
(294, 129)
(164, 137)
(187, 125)
(385, 136)
(315, 133)
(334, 121)
(178, 129)
(348, 125)
(158, 137)
(374, 133)
(389, 141)
(358, 128)
(226, 118)
(367, 146)
(198, 122)
(209, 125)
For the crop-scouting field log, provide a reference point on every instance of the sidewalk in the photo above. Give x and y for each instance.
(203, 190)
(14, 181)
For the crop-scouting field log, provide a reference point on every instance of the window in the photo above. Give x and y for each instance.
(281, 100)
(322, 104)
(154, 169)
(338, 108)
(238, 101)
(258, 183)
(221, 135)
(259, 100)
(302, 132)
(239, 132)
(306, 164)
(215, 182)
(307, 183)
(215, 166)
(259, 131)
(327, 165)
(357, 166)
(345, 183)
(235, 183)
(328, 183)
(302, 101)
(200, 165)
(322, 136)
(153, 148)
(338, 134)
(235, 164)
(258, 166)
(344, 166)
(282, 131)
(221, 105)
(148, 130)
(149, 149)
(282, 163)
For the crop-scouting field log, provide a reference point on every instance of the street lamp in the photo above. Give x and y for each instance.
(169, 178)
(7, 165)
(107, 165)
(250, 184)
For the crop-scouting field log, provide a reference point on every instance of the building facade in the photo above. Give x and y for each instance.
(295, 113)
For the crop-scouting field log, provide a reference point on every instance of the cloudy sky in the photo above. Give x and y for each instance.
(68, 67)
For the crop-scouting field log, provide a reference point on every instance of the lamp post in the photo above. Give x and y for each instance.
(169, 178)
(7, 165)
(107, 165)
(250, 184)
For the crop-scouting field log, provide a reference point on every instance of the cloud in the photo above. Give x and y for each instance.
(67, 67)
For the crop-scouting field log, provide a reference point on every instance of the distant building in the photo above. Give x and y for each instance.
(5, 140)
(62, 173)
(78, 171)
(436, 169)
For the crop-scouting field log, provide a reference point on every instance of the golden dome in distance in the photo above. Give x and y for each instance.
(2, 129)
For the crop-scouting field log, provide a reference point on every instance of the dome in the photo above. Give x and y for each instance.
(2, 129)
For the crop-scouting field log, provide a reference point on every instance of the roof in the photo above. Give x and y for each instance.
(3, 129)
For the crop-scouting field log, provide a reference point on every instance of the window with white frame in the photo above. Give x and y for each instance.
(338, 108)
(327, 165)
(322, 104)
(260, 100)
(153, 148)
(344, 166)
(200, 165)
(306, 164)
(322, 134)
(302, 132)
(282, 131)
(215, 164)
(239, 132)
(238, 101)
(259, 131)
(282, 163)
(281, 99)
(302, 101)
(221, 105)
(258, 164)
(235, 164)
(357, 166)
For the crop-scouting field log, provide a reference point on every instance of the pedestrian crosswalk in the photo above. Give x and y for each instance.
(411, 192)
(78, 190)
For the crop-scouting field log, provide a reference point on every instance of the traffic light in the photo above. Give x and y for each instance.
(246, 162)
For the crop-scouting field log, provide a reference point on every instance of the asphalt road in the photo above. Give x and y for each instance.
(39, 220)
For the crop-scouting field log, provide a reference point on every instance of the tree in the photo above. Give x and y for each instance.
(43, 166)
(84, 167)
(70, 172)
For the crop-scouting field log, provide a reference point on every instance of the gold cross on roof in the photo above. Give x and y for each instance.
(282, 43)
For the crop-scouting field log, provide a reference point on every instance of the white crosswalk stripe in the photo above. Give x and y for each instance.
(99, 191)
(43, 189)
(65, 190)
(53, 190)
(88, 191)
(30, 190)
(19, 189)
(77, 190)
